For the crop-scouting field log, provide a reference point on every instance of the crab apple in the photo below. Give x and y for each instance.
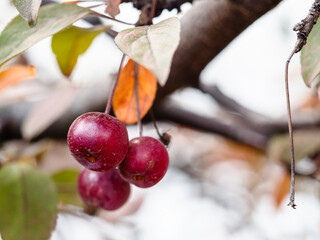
(146, 162)
(98, 141)
(106, 190)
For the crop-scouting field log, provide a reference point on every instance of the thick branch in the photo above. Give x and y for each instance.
(207, 29)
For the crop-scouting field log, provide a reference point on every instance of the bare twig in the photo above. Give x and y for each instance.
(111, 18)
(256, 121)
(292, 186)
(231, 104)
(303, 29)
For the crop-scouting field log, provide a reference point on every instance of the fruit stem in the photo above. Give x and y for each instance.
(114, 86)
(110, 18)
(136, 79)
(292, 186)
(90, 210)
(155, 123)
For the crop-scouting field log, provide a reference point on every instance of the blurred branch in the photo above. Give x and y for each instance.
(259, 122)
(231, 104)
(207, 28)
(233, 131)
(161, 4)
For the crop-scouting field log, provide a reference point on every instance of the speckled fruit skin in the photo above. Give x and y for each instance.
(106, 190)
(98, 141)
(146, 162)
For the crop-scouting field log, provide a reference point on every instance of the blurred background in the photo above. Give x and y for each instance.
(215, 188)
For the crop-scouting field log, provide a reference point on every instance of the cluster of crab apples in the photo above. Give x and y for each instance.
(100, 143)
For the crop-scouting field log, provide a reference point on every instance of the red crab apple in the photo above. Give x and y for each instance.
(146, 162)
(106, 190)
(98, 141)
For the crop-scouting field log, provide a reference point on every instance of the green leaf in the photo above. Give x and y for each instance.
(18, 37)
(27, 203)
(306, 143)
(66, 184)
(152, 46)
(310, 57)
(70, 43)
(28, 9)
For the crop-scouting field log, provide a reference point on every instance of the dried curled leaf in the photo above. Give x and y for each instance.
(124, 103)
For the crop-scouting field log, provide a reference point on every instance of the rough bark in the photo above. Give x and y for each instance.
(207, 29)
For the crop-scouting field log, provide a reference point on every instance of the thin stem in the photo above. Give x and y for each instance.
(155, 123)
(110, 18)
(97, 5)
(292, 186)
(136, 79)
(114, 86)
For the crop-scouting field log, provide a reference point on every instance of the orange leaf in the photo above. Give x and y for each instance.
(15, 74)
(282, 188)
(124, 103)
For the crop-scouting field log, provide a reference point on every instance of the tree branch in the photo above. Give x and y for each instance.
(259, 122)
(233, 130)
(207, 28)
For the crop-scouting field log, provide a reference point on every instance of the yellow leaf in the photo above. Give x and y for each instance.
(15, 74)
(124, 103)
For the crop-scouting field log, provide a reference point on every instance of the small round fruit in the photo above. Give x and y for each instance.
(106, 190)
(98, 141)
(146, 162)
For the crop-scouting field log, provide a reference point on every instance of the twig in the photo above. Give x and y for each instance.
(303, 29)
(154, 123)
(256, 121)
(231, 104)
(165, 138)
(107, 111)
(292, 185)
(110, 18)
